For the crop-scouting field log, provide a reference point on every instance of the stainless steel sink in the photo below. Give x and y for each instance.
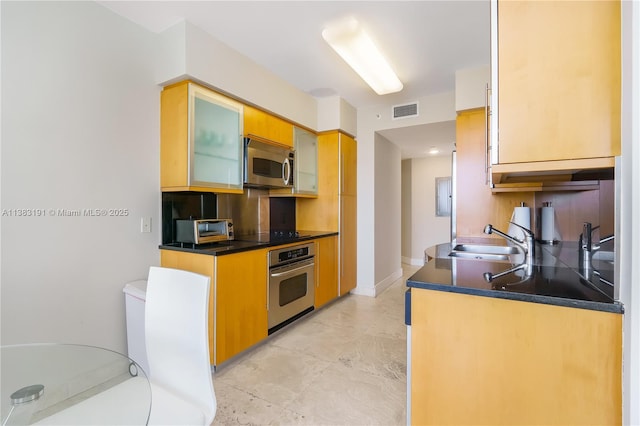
(605, 256)
(483, 252)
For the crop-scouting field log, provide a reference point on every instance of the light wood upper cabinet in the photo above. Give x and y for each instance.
(476, 206)
(306, 163)
(266, 126)
(348, 165)
(559, 85)
(322, 213)
(305, 167)
(201, 147)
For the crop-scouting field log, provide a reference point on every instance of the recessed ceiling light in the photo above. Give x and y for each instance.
(434, 150)
(350, 41)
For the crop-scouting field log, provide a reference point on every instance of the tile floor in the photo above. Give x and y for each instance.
(344, 364)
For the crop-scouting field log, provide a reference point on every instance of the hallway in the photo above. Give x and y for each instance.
(342, 365)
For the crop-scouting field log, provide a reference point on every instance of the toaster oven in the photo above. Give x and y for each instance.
(202, 231)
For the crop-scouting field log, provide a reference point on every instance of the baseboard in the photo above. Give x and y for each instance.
(379, 287)
(362, 291)
(412, 261)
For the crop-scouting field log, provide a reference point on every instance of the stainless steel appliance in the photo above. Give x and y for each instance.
(201, 231)
(267, 165)
(291, 284)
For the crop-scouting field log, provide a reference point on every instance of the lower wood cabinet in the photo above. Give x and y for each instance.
(326, 288)
(238, 297)
(482, 360)
(241, 308)
(348, 244)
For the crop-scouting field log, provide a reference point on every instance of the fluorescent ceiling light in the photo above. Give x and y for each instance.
(350, 41)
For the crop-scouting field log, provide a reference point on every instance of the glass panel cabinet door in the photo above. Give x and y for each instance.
(306, 166)
(215, 140)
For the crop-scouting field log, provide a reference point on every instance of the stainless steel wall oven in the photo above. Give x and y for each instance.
(291, 284)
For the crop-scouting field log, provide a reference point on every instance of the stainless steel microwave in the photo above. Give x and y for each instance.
(267, 165)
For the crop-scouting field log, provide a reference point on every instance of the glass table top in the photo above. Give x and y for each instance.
(71, 384)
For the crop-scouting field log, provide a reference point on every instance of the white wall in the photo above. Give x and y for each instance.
(80, 130)
(336, 113)
(188, 51)
(471, 86)
(406, 224)
(433, 109)
(629, 211)
(427, 229)
(387, 224)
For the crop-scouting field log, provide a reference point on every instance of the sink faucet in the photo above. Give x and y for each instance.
(527, 244)
(526, 267)
(586, 246)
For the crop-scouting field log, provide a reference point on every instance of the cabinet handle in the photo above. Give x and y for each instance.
(341, 236)
(487, 146)
(342, 177)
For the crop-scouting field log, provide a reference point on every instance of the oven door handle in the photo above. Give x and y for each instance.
(279, 274)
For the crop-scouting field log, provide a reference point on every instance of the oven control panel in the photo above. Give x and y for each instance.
(280, 256)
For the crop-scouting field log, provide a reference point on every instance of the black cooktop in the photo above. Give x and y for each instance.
(272, 236)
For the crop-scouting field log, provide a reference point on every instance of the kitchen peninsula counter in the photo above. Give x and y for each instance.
(541, 350)
(556, 279)
(239, 246)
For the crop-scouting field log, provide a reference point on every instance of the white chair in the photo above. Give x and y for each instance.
(177, 343)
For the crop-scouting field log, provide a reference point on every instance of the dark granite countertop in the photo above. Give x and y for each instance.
(237, 246)
(556, 279)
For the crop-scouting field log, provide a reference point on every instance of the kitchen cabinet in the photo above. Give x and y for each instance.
(348, 165)
(306, 166)
(558, 77)
(238, 297)
(483, 360)
(241, 311)
(476, 206)
(335, 208)
(201, 146)
(348, 244)
(305, 181)
(327, 270)
(266, 126)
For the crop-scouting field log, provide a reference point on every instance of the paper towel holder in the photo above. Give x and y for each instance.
(549, 233)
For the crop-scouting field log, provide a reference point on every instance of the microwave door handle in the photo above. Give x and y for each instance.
(286, 166)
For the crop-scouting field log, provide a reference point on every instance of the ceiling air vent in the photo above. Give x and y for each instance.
(405, 111)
